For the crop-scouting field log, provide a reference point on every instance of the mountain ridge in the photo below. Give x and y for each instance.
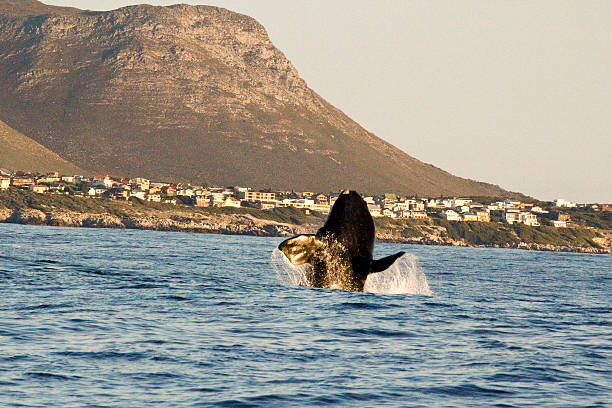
(190, 93)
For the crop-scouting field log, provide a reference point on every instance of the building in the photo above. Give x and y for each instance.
(464, 209)
(528, 218)
(169, 191)
(23, 182)
(5, 182)
(559, 202)
(258, 196)
(387, 212)
(539, 210)
(266, 205)
(141, 184)
(460, 202)
(558, 224)
(563, 217)
(469, 217)
(417, 215)
(483, 216)
(231, 202)
(369, 200)
(451, 215)
(512, 204)
(512, 217)
(118, 193)
(102, 181)
(322, 199)
(374, 210)
(154, 197)
(389, 200)
(298, 203)
(39, 188)
(185, 192)
(202, 201)
(50, 177)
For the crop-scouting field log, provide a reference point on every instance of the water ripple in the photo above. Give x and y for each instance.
(95, 317)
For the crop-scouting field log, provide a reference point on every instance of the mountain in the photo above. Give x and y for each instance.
(189, 93)
(19, 152)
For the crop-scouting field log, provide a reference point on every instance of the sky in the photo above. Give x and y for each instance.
(513, 93)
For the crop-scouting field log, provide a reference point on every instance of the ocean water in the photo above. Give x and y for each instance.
(97, 318)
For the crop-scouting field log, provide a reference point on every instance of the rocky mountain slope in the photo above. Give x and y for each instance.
(192, 93)
(19, 152)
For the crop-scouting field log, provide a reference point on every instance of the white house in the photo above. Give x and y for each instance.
(460, 202)
(512, 217)
(374, 210)
(450, 215)
(419, 215)
(231, 202)
(186, 192)
(528, 218)
(559, 202)
(5, 182)
(105, 182)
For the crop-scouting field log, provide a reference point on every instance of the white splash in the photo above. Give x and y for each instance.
(405, 276)
(286, 272)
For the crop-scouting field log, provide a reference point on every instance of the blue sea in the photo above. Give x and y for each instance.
(127, 318)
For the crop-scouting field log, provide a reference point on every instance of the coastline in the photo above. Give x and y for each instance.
(238, 224)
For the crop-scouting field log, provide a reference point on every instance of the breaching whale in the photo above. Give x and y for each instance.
(340, 253)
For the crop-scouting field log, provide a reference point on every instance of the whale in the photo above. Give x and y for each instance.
(340, 254)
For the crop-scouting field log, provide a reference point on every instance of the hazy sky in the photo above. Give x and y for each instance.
(514, 93)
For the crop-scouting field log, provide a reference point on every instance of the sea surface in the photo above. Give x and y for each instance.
(127, 318)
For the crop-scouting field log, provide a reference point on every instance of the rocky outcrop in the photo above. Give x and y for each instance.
(189, 93)
(237, 224)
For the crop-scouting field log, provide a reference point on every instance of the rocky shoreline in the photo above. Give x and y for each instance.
(520, 245)
(234, 224)
(237, 224)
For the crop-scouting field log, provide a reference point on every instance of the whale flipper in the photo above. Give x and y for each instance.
(381, 264)
(300, 249)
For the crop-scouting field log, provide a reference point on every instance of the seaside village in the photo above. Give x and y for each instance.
(387, 205)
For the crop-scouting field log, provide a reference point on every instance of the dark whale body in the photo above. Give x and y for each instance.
(340, 253)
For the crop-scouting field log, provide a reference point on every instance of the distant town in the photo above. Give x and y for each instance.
(459, 209)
